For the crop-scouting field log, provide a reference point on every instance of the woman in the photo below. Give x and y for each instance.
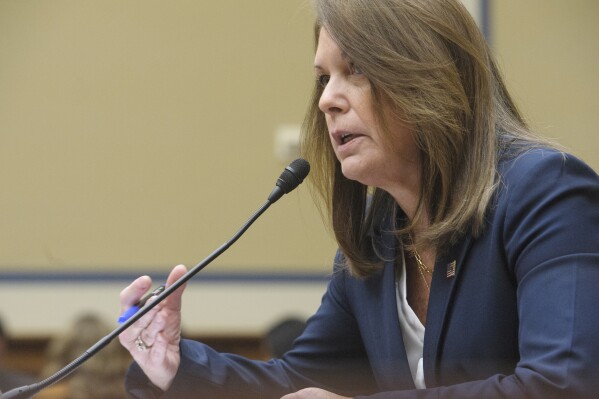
(468, 259)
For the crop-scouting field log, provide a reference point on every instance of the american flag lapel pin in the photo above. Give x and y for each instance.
(451, 269)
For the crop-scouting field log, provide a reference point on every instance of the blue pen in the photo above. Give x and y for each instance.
(135, 308)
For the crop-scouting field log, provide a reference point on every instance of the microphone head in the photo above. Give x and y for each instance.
(292, 176)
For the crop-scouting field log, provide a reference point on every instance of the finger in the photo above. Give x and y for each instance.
(152, 330)
(134, 291)
(129, 336)
(173, 303)
(169, 313)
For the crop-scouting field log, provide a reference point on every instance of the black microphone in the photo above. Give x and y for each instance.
(292, 176)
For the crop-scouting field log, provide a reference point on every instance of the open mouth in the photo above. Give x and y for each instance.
(346, 138)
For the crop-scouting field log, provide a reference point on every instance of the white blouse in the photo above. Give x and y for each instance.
(412, 329)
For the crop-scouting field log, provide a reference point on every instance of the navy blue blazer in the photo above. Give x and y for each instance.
(515, 318)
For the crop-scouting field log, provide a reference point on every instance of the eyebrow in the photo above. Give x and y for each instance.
(343, 55)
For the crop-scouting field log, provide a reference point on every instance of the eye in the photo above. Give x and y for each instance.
(323, 80)
(355, 70)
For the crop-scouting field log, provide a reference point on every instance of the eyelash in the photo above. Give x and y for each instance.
(323, 79)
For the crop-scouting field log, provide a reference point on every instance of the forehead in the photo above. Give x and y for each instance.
(327, 50)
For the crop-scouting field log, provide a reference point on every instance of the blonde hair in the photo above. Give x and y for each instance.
(429, 60)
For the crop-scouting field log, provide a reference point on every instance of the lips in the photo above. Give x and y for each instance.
(344, 137)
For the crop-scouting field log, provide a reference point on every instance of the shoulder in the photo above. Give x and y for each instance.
(542, 160)
(547, 200)
(544, 169)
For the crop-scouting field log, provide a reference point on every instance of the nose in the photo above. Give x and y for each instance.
(333, 99)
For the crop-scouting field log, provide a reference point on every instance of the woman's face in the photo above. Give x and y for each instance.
(353, 128)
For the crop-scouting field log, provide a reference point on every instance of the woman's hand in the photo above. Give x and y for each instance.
(313, 393)
(153, 340)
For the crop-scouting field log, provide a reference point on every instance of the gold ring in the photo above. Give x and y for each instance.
(141, 345)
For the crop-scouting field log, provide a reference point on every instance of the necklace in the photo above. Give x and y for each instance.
(422, 269)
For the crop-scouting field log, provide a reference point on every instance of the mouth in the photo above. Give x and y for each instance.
(345, 138)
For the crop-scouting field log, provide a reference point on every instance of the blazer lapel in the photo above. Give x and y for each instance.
(391, 363)
(445, 279)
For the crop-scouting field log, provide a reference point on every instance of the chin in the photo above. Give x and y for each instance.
(372, 174)
(355, 172)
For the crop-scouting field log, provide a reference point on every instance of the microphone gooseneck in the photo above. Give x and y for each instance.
(292, 176)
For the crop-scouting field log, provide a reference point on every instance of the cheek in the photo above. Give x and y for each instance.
(329, 123)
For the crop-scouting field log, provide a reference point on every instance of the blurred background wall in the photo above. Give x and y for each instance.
(549, 53)
(139, 134)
